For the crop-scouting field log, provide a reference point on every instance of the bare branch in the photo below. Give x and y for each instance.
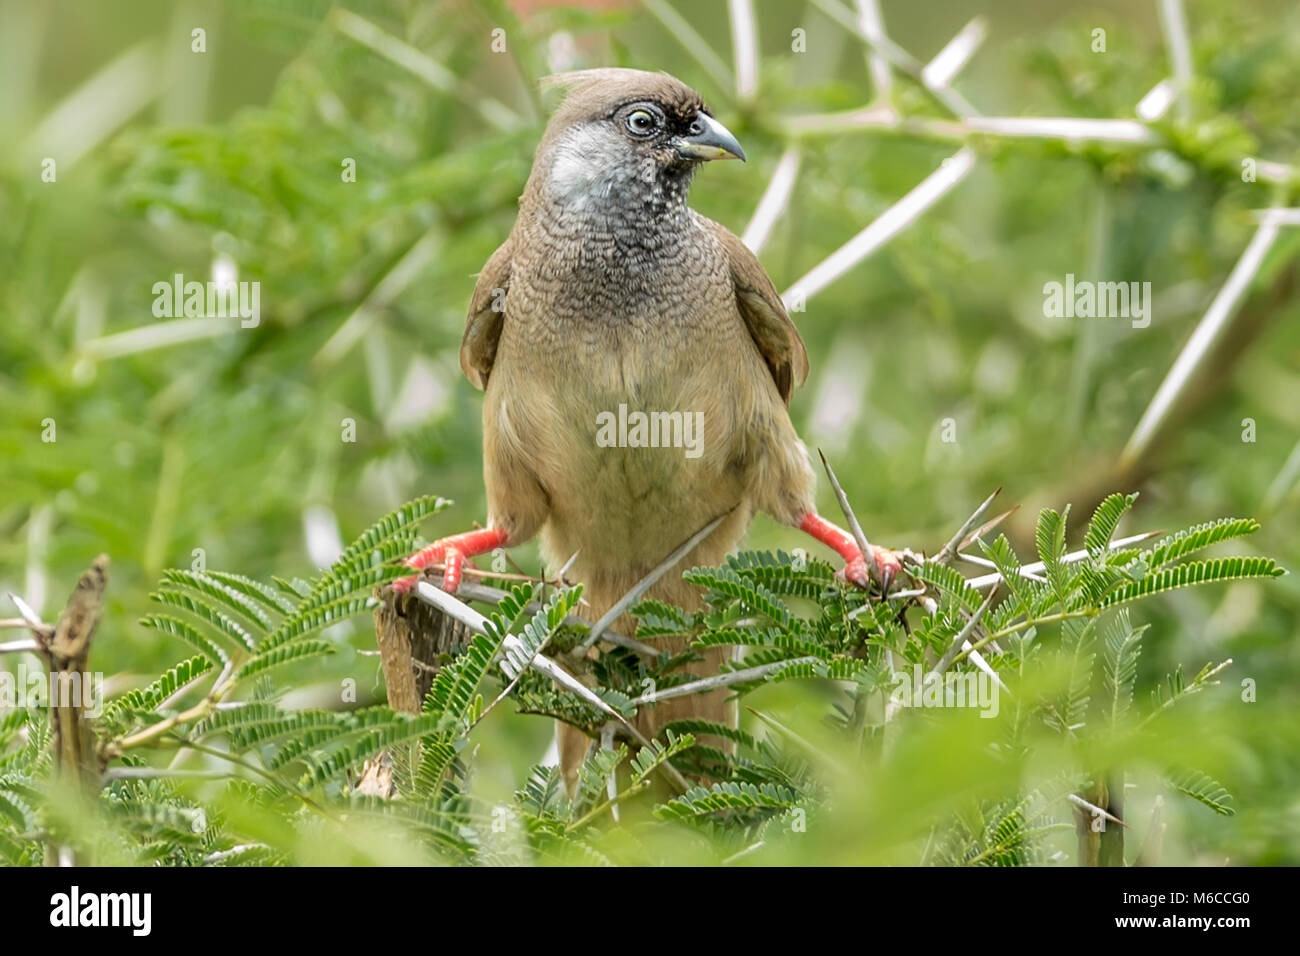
(706, 684)
(774, 202)
(691, 41)
(1173, 21)
(1206, 334)
(889, 224)
(744, 48)
(950, 61)
(961, 642)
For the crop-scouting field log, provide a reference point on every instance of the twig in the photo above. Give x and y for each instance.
(95, 110)
(961, 642)
(872, 25)
(20, 647)
(855, 527)
(1094, 809)
(1157, 101)
(544, 665)
(410, 267)
(706, 684)
(949, 550)
(1173, 21)
(1068, 128)
(949, 61)
(222, 855)
(752, 848)
(691, 41)
(1071, 558)
(899, 59)
(638, 589)
(744, 48)
(155, 773)
(1208, 332)
(774, 202)
(425, 67)
(986, 563)
(887, 225)
(491, 595)
(1277, 216)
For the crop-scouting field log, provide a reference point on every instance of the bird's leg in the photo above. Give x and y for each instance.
(855, 567)
(451, 553)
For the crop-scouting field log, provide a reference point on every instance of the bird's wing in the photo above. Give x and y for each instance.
(478, 349)
(764, 313)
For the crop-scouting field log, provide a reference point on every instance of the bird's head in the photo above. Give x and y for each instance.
(627, 137)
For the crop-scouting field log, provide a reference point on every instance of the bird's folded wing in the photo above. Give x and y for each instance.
(478, 349)
(764, 313)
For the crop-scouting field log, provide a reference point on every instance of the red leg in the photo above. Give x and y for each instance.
(451, 554)
(855, 567)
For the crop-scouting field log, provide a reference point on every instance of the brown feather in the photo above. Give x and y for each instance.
(478, 347)
(765, 315)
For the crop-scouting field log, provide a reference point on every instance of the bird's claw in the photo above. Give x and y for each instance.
(858, 572)
(441, 552)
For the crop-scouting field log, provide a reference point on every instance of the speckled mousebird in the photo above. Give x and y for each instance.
(611, 291)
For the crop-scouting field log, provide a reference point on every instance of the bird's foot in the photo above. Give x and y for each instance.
(856, 569)
(858, 572)
(451, 553)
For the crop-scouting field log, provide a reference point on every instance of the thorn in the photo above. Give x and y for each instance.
(988, 526)
(855, 528)
(946, 553)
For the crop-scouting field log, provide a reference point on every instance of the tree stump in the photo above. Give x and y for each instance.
(415, 641)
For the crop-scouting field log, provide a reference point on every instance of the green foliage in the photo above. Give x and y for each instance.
(229, 442)
(749, 790)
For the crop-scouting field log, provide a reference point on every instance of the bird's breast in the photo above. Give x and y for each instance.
(624, 378)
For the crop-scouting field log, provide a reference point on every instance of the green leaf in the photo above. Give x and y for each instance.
(649, 758)
(179, 629)
(1050, 539)
(232, 598)
(279, 656)
(357, 555)
(1204, 789)
(1196, 538)
(1193, 573)
(1101, 528)
(721, 797)
(226, 625)
(1120, 649)
(753, 596)
(148, 698)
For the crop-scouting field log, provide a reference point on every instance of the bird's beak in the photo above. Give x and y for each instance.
(713, 141)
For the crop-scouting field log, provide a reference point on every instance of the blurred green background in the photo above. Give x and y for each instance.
(234, 442)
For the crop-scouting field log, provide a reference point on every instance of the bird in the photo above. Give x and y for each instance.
(612, 302)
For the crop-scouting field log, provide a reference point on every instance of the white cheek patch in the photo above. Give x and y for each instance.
(585, 162)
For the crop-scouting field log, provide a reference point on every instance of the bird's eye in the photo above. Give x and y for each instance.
(641, 122)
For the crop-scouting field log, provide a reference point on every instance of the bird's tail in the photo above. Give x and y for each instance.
(713, 706)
